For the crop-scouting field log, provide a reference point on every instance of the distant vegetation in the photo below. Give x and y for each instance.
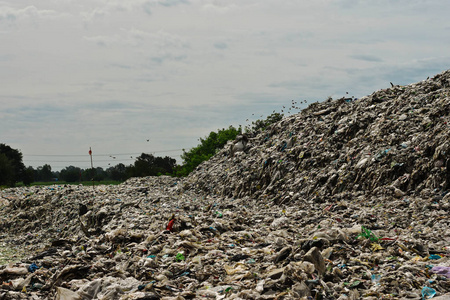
(13, 172)
(206, 149)
(12, 168)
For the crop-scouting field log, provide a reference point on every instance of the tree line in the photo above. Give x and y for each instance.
(13, 171)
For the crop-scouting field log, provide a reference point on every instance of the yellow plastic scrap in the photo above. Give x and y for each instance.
(417, 258)
(403, 247)
(376, 247)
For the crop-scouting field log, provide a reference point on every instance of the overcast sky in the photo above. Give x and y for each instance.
(112, 74)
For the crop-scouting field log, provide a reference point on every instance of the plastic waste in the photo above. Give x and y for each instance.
(441, 270)
(180, 257)
(32, 268)
(376, 278)
(66, 294)
(366, 233)
(428, 293)
(171, 223)
(293, 200)
(434, 257)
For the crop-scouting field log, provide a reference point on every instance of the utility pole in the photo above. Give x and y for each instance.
(92, 167)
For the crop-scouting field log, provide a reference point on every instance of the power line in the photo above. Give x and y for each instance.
(63, 161)
(109, 154)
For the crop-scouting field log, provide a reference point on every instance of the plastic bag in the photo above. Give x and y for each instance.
(366, 233)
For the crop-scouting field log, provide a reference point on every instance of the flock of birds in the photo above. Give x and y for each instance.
(293, 106)
(113, 157)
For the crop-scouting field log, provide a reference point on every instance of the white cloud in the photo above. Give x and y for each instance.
(366, 57)
(105, 8)
(11, 14)
(220, 45)
(103, 40)
(95, 13)
(219, 7)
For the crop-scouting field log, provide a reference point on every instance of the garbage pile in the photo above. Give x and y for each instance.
(394, 142)
(346, 200)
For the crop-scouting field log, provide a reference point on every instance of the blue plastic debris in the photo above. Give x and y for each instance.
(428, 293)
(32, 268)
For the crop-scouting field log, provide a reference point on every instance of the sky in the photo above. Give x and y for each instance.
(153, 76)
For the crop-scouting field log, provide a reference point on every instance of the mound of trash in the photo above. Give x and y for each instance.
(346, 200)
(393, 142)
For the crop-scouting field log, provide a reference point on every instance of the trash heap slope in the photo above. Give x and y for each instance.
(394, 141)
(369, 220)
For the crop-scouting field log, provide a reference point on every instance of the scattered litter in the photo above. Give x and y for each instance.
(345, 200)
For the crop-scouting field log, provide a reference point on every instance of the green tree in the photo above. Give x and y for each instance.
(96, 174)
(118, 172)
(6, 171)
(100, 174)
(206, 149)
(28, 176)
(149, 165)
(44, 173)
(15, 162)
(70, 174)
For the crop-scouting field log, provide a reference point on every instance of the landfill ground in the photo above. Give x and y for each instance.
(347, 199)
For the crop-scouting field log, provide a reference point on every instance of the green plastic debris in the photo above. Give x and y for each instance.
(355, 283)
(180, 257)
(366, 233)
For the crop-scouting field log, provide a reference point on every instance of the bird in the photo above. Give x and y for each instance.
(392, 85)
(148, 140)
